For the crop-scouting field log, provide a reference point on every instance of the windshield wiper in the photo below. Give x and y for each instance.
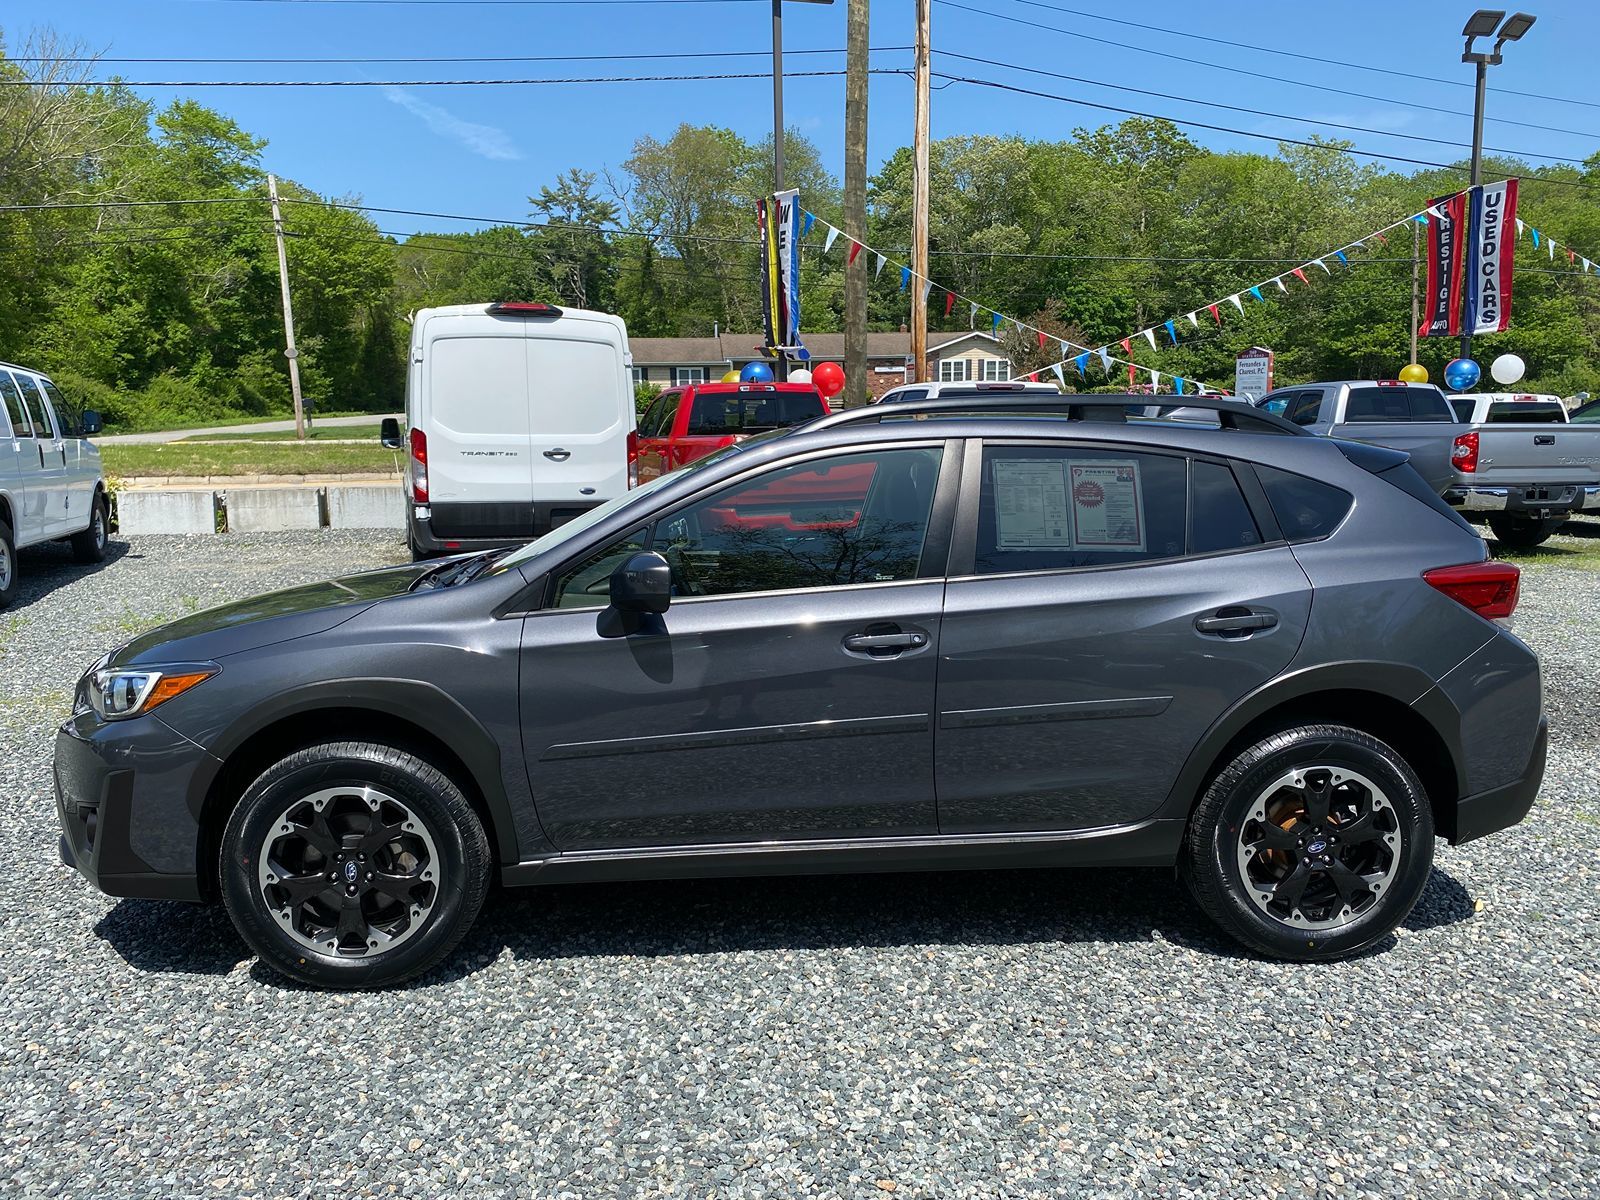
(447, 573)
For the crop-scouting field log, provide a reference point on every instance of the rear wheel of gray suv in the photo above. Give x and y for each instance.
(1311, 844)
(353, 865)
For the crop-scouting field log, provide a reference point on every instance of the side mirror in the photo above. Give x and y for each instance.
(389, 433)
(89, 423)
(642, 584)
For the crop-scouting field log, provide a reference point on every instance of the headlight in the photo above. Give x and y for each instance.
(118, 693)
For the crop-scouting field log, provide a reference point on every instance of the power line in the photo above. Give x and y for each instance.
(1238, 71)
(1255, 112)
(1314, 58)
(412, 83)
(517, 58)
(491, 3)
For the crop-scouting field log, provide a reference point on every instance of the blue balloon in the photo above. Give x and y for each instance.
(1461, 374)
(756, 372)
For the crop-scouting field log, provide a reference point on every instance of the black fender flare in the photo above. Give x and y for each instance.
(412, 700)
(1404, 684)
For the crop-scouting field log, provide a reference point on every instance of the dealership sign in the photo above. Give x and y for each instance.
(1252, 373)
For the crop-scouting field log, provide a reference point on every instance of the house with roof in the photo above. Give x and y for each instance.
(952, 357)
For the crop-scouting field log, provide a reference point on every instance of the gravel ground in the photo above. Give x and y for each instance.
(1011, 1034)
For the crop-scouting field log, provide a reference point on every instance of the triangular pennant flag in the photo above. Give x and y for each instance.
(1155, 378)
(878, 270)
(1105, 360)
(927, 289)
(1041, 339)
(1521, 228)
(1016, 325)
(1215, 315)
(1066, 350)
(1550, 244)
(1381, 238)
(905, 277)
(855, 249)
(949, 302)
(1177, 383)
(1282, 286)
(1586, 263)
(1339, 254)
(1535, 237)
(1256, 292)
(1081, 362)
(1172, 332)
(1150, 336)
(1572, 255)
(1300, 274)
(1326, 270)
(1060, 378)
(1194, 319)
(972, 318)
(994, 325)
(827, 243)
(1127, 349)
(806, 224)
(1236, 302)
(1422, 217)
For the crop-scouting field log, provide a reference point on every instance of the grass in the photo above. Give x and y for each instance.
(1576, 548)
(166, 425)
(362, 433)
(163, 461)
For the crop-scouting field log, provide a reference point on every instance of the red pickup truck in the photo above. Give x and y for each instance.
(686, 423)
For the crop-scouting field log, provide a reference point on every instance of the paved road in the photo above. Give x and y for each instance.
(172, 435)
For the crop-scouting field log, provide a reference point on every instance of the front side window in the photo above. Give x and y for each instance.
(657, 419)
(69, 415)
(955, 370)
(684, 376)
(33, 401)
(1303, 408)
(588, 584)
(994, 370)
(1048, 508)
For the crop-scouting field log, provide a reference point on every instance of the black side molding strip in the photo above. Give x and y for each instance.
(747, 736)
(1071, 710)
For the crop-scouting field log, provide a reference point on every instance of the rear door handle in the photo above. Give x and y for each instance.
(558, 454)
(882, 645)
(1235, 622)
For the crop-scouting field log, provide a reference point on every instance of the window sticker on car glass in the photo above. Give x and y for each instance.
(1031, 505)
(1107, 513)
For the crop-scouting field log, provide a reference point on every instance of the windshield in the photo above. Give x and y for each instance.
(565, 533)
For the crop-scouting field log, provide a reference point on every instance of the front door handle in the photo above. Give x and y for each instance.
(558, 454)
(1235, 622)
(885, 644)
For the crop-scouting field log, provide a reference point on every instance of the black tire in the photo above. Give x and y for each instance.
(8, 564)
(1222, 857)
(416, 796)
(1523, 533)
(89, 545)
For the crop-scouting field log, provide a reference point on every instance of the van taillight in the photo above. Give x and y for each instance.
(1464, 454)
(419, 466)
(633, 458)
(1489, 589)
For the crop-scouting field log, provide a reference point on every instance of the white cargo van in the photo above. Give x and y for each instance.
(519, 418)
(51, 485)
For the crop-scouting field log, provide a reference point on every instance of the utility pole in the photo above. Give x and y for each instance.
(1416, 263)
(919, 202)
(855, 199)
(289, 352)
(777, 95)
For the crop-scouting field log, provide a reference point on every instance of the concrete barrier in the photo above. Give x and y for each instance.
(366, 506)
(263, 510)
(190, 511)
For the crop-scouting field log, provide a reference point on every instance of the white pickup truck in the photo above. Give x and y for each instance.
(51, 485)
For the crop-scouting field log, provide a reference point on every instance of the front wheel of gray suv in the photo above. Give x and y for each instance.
(1311, 844)
(353, 865)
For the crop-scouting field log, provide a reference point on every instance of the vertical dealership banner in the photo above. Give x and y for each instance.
(771, 319)
(1491, 243)
(787, 229)
(1442, 315)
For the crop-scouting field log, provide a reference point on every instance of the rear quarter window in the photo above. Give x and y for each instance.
(1306, 509)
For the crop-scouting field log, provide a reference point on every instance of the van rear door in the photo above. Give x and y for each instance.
(581, 400)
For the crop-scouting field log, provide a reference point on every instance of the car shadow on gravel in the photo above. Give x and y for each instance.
(690, 917)
(42, 569)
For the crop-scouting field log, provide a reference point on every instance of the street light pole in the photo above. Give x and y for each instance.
(1484, 23)
(777, 95)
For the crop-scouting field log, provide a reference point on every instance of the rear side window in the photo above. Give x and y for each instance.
(21, 426)
(1221, 518)
(33, 401)
(907, 395)
(726, 413)
(1397, 404)
(1303, 408)
(1306, 509)
(657, 419)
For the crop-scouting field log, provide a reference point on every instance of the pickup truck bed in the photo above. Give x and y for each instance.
(1412, 417)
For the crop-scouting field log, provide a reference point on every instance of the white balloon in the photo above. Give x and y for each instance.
(1508, 368)
(800, 375)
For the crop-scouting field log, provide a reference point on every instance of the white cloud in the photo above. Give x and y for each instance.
(485, 141)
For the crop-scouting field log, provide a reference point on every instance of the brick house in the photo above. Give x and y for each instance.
(951, 356)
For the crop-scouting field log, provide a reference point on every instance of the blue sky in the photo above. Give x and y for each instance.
(482, 150)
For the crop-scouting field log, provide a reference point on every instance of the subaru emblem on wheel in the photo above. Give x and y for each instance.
(1030, 630)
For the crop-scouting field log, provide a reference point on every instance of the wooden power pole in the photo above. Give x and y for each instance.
(855, 201)
(919, 203)
(289, 351)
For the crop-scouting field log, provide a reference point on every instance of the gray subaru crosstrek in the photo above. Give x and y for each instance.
(933, 636)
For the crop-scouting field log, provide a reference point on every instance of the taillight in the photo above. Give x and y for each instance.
(1488, 588)
(633, 458)
(1464, 453)
(419, 466)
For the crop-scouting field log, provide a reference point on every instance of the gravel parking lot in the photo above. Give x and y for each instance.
(1010, 1034)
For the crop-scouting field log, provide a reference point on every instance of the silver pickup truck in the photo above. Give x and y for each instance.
(1525, 477)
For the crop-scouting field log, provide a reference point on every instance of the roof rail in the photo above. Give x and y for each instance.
(1231, 414)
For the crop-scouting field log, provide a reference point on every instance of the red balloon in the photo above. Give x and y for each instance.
(829, 378)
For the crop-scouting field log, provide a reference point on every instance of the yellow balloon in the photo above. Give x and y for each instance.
(1414, 373)
(731, 377)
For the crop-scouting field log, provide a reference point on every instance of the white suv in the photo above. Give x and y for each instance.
(51, 485)
(953, 390)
